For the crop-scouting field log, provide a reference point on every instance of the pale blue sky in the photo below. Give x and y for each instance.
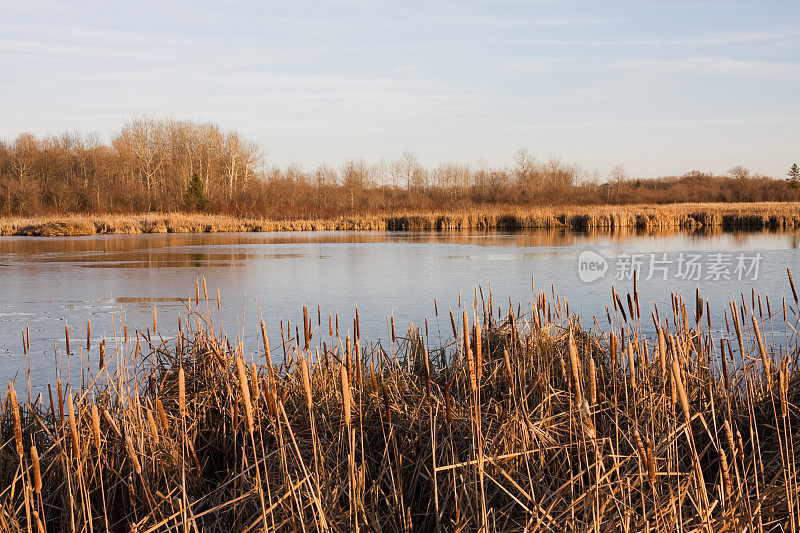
(657, 87)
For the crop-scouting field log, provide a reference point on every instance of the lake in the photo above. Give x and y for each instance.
(48, 283)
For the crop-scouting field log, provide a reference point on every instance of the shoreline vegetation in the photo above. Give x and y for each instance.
(163, 165)
(483, 419)
(727, 216)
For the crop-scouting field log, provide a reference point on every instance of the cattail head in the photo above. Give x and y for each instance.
(651, 463)
(478, 352)
(17, 421)
(96, 427)
(102, 354)
(592, 381)
(73, 427)
(573, 360)
(255, 390)
(632, 365)
(676, 378)
(662, 352)
(181, 392)
(153, 428)
(132, 454)
(265, 340)
(507, 360)
(111, 423)
(245, 391)
(37, 472)
(345, 395)
(764, 357)
(306, 382)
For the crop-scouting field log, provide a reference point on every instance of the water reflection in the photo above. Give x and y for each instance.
(50, 282)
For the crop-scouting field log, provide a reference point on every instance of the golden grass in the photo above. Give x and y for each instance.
(516, 422)
(776, 215)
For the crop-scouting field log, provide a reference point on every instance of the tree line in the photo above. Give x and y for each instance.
(178, 165)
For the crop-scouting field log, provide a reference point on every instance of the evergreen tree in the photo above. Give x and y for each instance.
(196, 194)
(794, 176)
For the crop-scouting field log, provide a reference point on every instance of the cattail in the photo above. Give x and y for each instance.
(96, 427)
(729, 436)
(478, 352)
(132, 454)
(37, 472)
(307, 382)
(265, 340)
(473, 385)
(791, 283)
(386, 405)
(573, 361)
(763, 350)
(88, 335)
(111, 423)
(196, 292)
(592, 380)
(245, 391)
(739, 446)
(17, 422)
(427, 373)
(153, 428)
(394, 337)
(662, 353)
(508, 368)
(640, 447)
(676, 377)
(155, 320)
(374, 379)
(205, 289)
(651, 463)
(726, 477)
(73, 427)
(66, 328)
(60, 401)
(255, 390)
(162, 415)
(102, 354)
(632, 365)
(306, 335)
(345, 394)
(348, 359)
(181, 392)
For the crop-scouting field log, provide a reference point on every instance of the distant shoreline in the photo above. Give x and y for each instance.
(728, 216)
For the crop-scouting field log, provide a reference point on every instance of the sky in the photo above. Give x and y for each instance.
(656, 87)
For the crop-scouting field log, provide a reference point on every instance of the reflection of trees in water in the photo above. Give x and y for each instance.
(204, 249)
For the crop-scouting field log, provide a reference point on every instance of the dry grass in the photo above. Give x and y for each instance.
(521, 421)
(775, 215)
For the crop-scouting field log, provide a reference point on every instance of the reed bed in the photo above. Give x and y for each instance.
(517, 419)
(729, 216)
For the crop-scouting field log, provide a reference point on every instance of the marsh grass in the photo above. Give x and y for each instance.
(729, 216)
(520, 420)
